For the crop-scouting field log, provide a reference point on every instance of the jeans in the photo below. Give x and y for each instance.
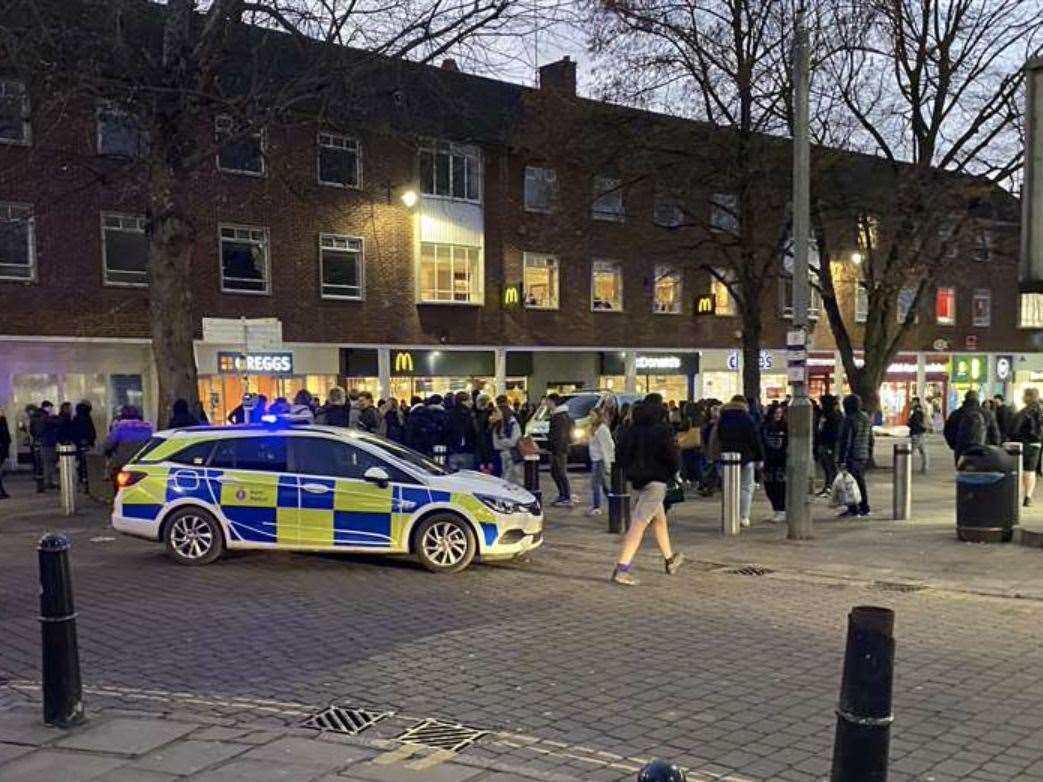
(559, 472)
(460, 461)
(746, 475)
(828, 459)
(776, 491)
(917, 445)
(858, 472)
(597, 482)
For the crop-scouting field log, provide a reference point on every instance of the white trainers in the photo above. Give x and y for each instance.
(594, 511)
(779, 517)
(744, 522)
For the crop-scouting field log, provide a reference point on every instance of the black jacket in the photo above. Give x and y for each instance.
(559, 435)
(369, 419)
(649, 453)
(462, 429)
(917, 423)
(776, 441)
(334, 415)
(5, 438)
(736, 432)
(853, 442)
(1005, 419)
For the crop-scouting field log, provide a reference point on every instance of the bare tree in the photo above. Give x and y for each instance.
(171, 69)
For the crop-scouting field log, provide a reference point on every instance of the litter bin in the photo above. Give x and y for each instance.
(986, 495)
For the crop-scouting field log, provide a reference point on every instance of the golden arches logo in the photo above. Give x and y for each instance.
(705, 305)
(510, 295)
(403, 362)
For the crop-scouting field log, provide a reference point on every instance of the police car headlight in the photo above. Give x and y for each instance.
(500, 504)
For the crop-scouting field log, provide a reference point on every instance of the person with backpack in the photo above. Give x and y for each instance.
(1027, 429)
(970, 425)
(917, 430)
(853, 451)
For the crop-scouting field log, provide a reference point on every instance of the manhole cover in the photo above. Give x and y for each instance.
(345, 719)
(442, 735)
(751, 570)
(895, 586)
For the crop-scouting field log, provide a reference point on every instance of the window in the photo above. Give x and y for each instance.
(119, 132)
(450, 171)
(267, 454)
(906, 297)
(667, 294)
(606, 286)
(241, 151)
(945, 306)
(861, 302)
(1031, 311)
(983, 246)
(194, 455)
(667, 212)
(724, 303)
(14, 112)
(948, 241)
(340, 264)
(17, 242)
(319, 456)
(450, 273)
(724, 212)
(541, 189)
(124, 249)
(244, 259)
(786, 279)
(608, 199)
(786, 297)
(540, 281)
(981, 307)
(339, 160)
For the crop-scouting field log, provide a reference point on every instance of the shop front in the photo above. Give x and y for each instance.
(722, 376)
(671, 374)
(901, 382)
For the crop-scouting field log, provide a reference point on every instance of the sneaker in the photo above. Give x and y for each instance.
(562, 502)
(594, 512)
(779, 517)
(1027, 503)
(847, 515)
(624, 577)
(865, 515)
(674, 563)
(744, 522)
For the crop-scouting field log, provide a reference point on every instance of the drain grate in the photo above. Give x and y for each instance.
(442, 735)
(896, 586)
(345, 719)
(751, 570)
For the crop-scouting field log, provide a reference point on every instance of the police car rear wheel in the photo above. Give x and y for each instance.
(445, 544)
(194, 537)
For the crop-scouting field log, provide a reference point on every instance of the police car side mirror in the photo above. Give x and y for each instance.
(377, 475)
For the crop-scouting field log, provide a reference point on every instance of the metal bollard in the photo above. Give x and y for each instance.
(618, 501)
(62, 690)
(1017, 450)
(532, 477)
(902, 482)
(37, 452)
(864, 718)
(731, 482)
(439, 455)
(67, 477)
(660, 771)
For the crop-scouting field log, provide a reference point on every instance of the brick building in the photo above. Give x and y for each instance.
(449, 235)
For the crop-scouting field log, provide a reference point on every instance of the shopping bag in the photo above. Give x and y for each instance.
(845, 491)
(674, 492)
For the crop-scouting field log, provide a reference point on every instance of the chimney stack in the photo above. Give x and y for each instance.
(559, 76)
(449, 64)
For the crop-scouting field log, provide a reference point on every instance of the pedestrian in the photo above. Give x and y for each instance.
(853, 451)
(180, 416)
(335, 412)
(828, 432)
(506, 431)
(917, 432)
(969, 426)
(1004, 414)
(394, 422)
(485, 456)
(1027, 429)
(463, 434)
(649, 454)
(49, 427)
(303, 407)
(34, 439)
(559, 440)
(5, 451)
(736, 432)
(690, 442)
(428, 426)
(126, 437)
(602, 457)
(776, 441)
(66, 436)
(368, 418)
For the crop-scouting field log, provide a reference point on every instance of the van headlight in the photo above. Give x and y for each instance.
(500, 504)
(579, 435)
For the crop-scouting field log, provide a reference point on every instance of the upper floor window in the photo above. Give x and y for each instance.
(606, 286)
(948, 237)
(540, 281)
(244, 259)
(981, 307)
(724, 302)
(608, 199)
(450, 273)
(340, 267)
(14, 112)
(241, 150)
(340, 160)
(1031, 315)
(861, 302)
(668, 290)
(786, 279)
(724, 213)
(119, 132)
(667, 211)
(450, 171)
(124, 249)
(786, 297)
(17, 242)
(541, 189)
(904, 302)
(945, 306)
(983, 246)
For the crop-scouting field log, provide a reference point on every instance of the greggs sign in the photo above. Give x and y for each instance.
(229, 363)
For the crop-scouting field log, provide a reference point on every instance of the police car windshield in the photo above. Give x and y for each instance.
(407, 455)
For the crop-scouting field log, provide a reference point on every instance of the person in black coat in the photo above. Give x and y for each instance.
(180, 416)
(648, 452)
(84, 437)
(737, 432)
(776, 442)
(463, 433)
(5, 452)
(828, 431)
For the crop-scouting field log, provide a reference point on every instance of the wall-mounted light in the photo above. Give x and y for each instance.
(409, 198)
(856, 258)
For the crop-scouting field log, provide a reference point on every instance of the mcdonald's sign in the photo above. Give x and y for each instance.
(511, 295)
(706, 305)
(404, 363)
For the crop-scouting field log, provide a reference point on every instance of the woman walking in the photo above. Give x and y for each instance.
(1028, 430)
(649, 453)
(776, 440)
(602, 455)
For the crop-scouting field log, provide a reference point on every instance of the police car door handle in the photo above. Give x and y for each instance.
(315, 488)
(228, 479)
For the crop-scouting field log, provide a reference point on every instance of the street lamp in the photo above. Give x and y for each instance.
(409, 198)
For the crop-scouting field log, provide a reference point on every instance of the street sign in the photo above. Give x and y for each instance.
(254, 333)
(797, 374)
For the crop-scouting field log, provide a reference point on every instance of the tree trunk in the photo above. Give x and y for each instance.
(867, 387)
(751, 356)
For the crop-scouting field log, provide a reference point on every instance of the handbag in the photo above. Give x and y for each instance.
(674, 492)
(690, 438)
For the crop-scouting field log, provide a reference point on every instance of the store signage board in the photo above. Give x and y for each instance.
(613, 362)
(658, 362)
(256, 333)
(1004, 368)
(766, 361)
(968, 369)
(231, 363)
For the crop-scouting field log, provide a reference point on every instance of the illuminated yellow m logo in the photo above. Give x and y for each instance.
(403, 362)
(705, 305)
(510, 295)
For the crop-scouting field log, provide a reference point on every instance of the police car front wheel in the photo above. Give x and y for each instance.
(445, 544)
(193, 537)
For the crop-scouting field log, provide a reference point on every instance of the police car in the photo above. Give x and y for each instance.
(279, 485)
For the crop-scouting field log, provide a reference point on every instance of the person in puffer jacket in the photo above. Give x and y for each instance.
(128, 435)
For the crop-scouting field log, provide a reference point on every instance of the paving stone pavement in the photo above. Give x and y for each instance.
(732, 676)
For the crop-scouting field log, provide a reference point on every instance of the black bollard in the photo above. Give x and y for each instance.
(864, 717)
(660, 771)
(532, 477)
(62, 690)
(618, 501)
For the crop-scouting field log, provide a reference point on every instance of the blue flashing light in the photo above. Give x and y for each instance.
(268, 418)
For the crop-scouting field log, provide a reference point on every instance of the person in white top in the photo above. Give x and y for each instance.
(506, 433)
(602, 455)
